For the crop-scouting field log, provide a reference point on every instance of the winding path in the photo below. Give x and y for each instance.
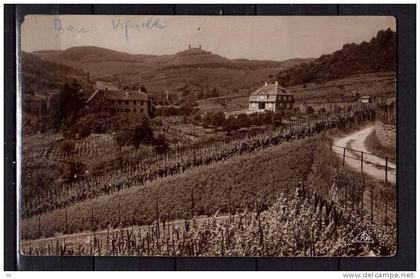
(373, 165)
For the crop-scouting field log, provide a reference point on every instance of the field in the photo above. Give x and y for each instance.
(378, 84)
(208, 185)
(256, 186)
(296, 225)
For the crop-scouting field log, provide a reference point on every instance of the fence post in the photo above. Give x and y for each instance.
(39, 225)
(192, 202)
(91, 217)
(386, 184)
(371, 204)
(119, 214)
(230, 207)
(157, 212)
(363, 179)
(386, 210)
(65, 229)
(344, 155)
(274, 189)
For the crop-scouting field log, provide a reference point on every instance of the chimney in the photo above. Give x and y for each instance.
(266, 83)
(189, 46)
(199, 47)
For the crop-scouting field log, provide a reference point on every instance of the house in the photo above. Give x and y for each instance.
(271, 97)
(112, 102)
(365, 99)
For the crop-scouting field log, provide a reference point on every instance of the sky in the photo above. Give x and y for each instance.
(252, 37)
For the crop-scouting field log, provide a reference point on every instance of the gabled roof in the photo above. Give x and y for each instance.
(123, 95)
(271, 91)
(92, 96)
(126, 95)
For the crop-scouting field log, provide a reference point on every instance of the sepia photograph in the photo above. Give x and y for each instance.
(215, 136)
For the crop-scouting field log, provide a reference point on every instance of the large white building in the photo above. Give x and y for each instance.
(271, 97)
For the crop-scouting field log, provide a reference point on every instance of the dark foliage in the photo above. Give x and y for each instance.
(377, 55)
(70, 103)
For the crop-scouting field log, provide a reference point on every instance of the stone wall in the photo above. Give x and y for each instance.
(386, 134)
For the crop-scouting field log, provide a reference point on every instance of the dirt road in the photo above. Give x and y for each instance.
(372, 165)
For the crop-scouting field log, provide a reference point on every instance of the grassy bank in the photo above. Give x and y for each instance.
(373, 145)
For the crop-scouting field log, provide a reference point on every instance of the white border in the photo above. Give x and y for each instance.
(182, 274)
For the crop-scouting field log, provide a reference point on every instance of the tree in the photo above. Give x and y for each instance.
(123, 138)
(69, 103)
(143, 88)
(161, 144)
(73, 170)
(243, 120)
(208, 119)
(310, 110)
(143, 134)
(214, 92)
(67, 147)
(218, 119)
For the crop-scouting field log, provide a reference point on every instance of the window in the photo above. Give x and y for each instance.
(119, 102)
(127, 110)
(126, 102)
(134, 102)
(261, 105)
(141, 102)
(141, 110)
(134, 110)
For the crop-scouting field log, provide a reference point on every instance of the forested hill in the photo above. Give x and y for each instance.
(38, 74)
(377, 55)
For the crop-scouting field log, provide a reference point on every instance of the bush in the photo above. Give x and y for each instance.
(143, 134)
(73, 170)
(161, 144)
(309, 110)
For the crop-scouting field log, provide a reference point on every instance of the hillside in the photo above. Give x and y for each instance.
(189, 72)
(377, 55)
(38, 73)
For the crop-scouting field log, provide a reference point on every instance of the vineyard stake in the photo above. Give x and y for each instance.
(192, 202)
(91, 217)
(230, 208)
(157, 221)
(39, 226)
(371, 204)
(344, 155)
(66, 221)
(363, 178)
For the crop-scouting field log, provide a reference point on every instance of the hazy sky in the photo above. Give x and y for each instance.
(252, 37)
